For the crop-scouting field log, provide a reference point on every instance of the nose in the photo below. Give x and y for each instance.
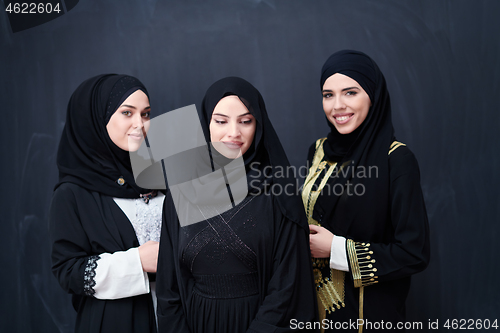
(338, 103)
(233, 130)
(138, 121)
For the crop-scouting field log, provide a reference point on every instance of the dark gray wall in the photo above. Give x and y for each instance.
(440, 58)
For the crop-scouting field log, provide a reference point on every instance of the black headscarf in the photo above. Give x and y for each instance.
(266, 148)
(87, 156)
(365, 147)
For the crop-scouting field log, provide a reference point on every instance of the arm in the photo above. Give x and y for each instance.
(72, 258)
(290, 293)
(77, 267)
(120, 275)
(171, 316)
(408, 252)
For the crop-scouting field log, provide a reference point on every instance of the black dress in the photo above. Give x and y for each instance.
(365, 186)
(245, 267)
(241, 271)
(84, 220)
(383, 250)
(84, 224)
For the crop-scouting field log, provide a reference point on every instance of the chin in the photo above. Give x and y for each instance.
(133, 148)
(345, 131)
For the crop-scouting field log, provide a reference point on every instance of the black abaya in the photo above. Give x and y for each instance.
(247, 269)
(84, 224)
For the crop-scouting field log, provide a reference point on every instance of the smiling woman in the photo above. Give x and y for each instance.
(345, 103)
(233, 126)
(104, 235)
(246, 268)
(128, 126)
(370, 234)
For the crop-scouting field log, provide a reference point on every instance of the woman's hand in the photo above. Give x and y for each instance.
(149, 256)
(320, 241)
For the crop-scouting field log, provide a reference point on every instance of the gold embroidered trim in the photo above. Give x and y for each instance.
(330, 289)
(395, 145)
(362, 268)
(362, 263)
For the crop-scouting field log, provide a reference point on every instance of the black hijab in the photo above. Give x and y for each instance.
(366, 147)
(266, 151)
(87, 156)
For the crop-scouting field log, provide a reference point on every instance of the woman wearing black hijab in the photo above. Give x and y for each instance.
(246, 268)
(362, 195)
(103, 227)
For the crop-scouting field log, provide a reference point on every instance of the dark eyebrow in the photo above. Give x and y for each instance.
(133, 107)
(223, 115)
(219, 114)
(345, 89)
(350, 88)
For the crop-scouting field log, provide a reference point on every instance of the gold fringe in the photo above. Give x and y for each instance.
(361, 298)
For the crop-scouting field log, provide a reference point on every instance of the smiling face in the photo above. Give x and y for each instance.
(233, 126)
(129, 124)
(345, 103)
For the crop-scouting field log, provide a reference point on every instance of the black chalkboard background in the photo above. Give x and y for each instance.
(441, 60)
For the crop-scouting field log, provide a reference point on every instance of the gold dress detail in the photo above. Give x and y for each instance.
(330, 288)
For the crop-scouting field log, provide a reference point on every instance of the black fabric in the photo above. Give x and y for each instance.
(399, 240)
(247, 269)
(266, 149)
(390, 216)
(86, 155)
(83, 224)
(281, 261)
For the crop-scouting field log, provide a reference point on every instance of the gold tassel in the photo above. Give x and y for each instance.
(361, 297)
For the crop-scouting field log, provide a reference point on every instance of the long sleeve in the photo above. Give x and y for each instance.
(80, 268)
(171, 317)
(338, 254)
(408, 252)
(72, 259)
(120, 275)
(290, 295)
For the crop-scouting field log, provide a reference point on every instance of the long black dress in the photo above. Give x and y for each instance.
(247, 269)
(365, 187)
(84, 220)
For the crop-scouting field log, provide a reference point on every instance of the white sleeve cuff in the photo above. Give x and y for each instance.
(120, 275)
(338, 254)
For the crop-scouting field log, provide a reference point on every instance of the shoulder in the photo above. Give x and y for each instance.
(69, 192)
(402, 161)
(66, 190)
